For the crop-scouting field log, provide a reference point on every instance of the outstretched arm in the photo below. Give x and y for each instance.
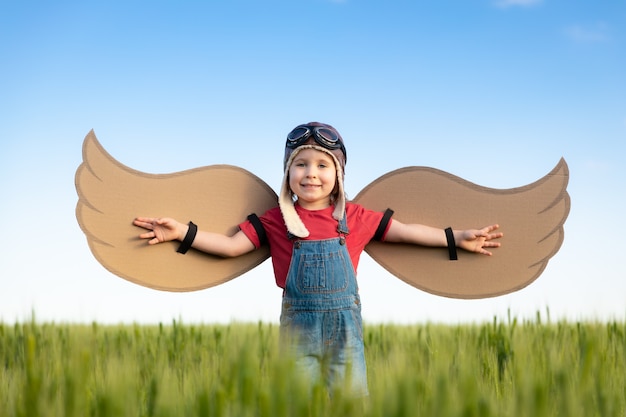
(472, 240)
(165, 229)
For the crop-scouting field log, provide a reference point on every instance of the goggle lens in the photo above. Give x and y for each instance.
(328, 135)
(297, 135)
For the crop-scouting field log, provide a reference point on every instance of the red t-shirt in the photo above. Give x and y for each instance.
(362, 224)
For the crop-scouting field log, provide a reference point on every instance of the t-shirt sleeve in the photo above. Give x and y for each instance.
(371, 224)
(249, 230)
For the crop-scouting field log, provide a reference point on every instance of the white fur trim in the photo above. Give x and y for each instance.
(293, 222)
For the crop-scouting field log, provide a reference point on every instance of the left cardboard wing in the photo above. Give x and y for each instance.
(216, 197)
(530, 216)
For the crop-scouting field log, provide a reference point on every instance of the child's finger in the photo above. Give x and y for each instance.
(142, 222)
(147, 235)
(491, 228)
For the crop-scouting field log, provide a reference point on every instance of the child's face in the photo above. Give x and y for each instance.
(312, 177)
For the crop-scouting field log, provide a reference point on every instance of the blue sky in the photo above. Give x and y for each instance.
(492, 91)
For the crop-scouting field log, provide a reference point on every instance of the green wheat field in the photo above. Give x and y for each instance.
(504, 368)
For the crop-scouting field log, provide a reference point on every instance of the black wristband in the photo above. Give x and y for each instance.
(188, 240)
(451, 244)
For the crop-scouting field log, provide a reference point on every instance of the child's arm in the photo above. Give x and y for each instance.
(472, 240)
(166, 229)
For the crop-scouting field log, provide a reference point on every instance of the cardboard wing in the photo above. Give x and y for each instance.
(219, 197)
(111, 195)
(531, 218)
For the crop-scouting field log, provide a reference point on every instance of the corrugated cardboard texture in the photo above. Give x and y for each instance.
(219, 197)
(111, 195)
(531, 218)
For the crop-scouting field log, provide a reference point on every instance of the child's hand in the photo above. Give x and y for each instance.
(160, 229)
(473, 240)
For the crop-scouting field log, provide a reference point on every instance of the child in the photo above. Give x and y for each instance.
(316, 239)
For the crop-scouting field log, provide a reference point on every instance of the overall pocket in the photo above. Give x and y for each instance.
(322, 273)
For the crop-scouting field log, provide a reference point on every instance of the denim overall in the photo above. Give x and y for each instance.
(321, 314)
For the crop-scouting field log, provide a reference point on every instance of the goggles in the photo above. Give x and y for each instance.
(324, 136)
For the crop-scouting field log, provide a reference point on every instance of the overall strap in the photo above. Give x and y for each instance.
(342, 226)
